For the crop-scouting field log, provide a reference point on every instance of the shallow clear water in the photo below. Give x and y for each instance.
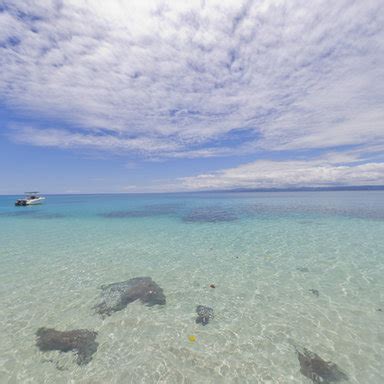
(263, 252)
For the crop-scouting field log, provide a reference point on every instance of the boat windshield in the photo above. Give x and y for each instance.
(31, 195)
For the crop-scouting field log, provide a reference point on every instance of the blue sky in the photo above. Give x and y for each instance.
(181, 96)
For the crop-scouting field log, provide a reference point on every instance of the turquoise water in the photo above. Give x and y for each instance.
(262, 251)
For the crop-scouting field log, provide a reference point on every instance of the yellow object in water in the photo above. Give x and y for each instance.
(192, 338)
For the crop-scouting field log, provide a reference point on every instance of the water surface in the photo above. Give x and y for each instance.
(264, 252)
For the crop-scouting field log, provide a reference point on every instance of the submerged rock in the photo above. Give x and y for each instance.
(117, 296)
(146, 211)
(204, 314)
(125, 214)
(33, 214)
(315, 292)
(49, 216)
(209, 215)
(81, 341)
(319, 370)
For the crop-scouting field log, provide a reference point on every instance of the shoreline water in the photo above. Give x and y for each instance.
(264, 254)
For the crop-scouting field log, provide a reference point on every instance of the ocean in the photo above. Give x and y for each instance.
(282, 271)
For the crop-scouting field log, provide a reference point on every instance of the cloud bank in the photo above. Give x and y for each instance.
(194, 79)
(289, 174)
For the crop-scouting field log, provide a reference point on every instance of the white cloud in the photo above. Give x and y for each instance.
(67, 139)
(167, 78)
(288, 174)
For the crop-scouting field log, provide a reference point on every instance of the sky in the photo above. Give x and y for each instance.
(158, 96)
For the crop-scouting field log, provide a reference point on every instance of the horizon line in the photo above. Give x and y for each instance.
(351, 188)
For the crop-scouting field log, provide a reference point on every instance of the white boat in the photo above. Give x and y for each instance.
(31, 198)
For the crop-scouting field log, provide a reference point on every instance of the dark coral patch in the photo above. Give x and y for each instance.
(319, 370)
(204, 314)
(124, 214)
(209, 215)
(147, 211)
(32, 214)
(116, 296)
(81, 341)
(18, 213)
(315, 292)
(48, 216)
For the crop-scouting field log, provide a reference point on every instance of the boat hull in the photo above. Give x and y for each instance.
(24, 202)
(35, 201)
